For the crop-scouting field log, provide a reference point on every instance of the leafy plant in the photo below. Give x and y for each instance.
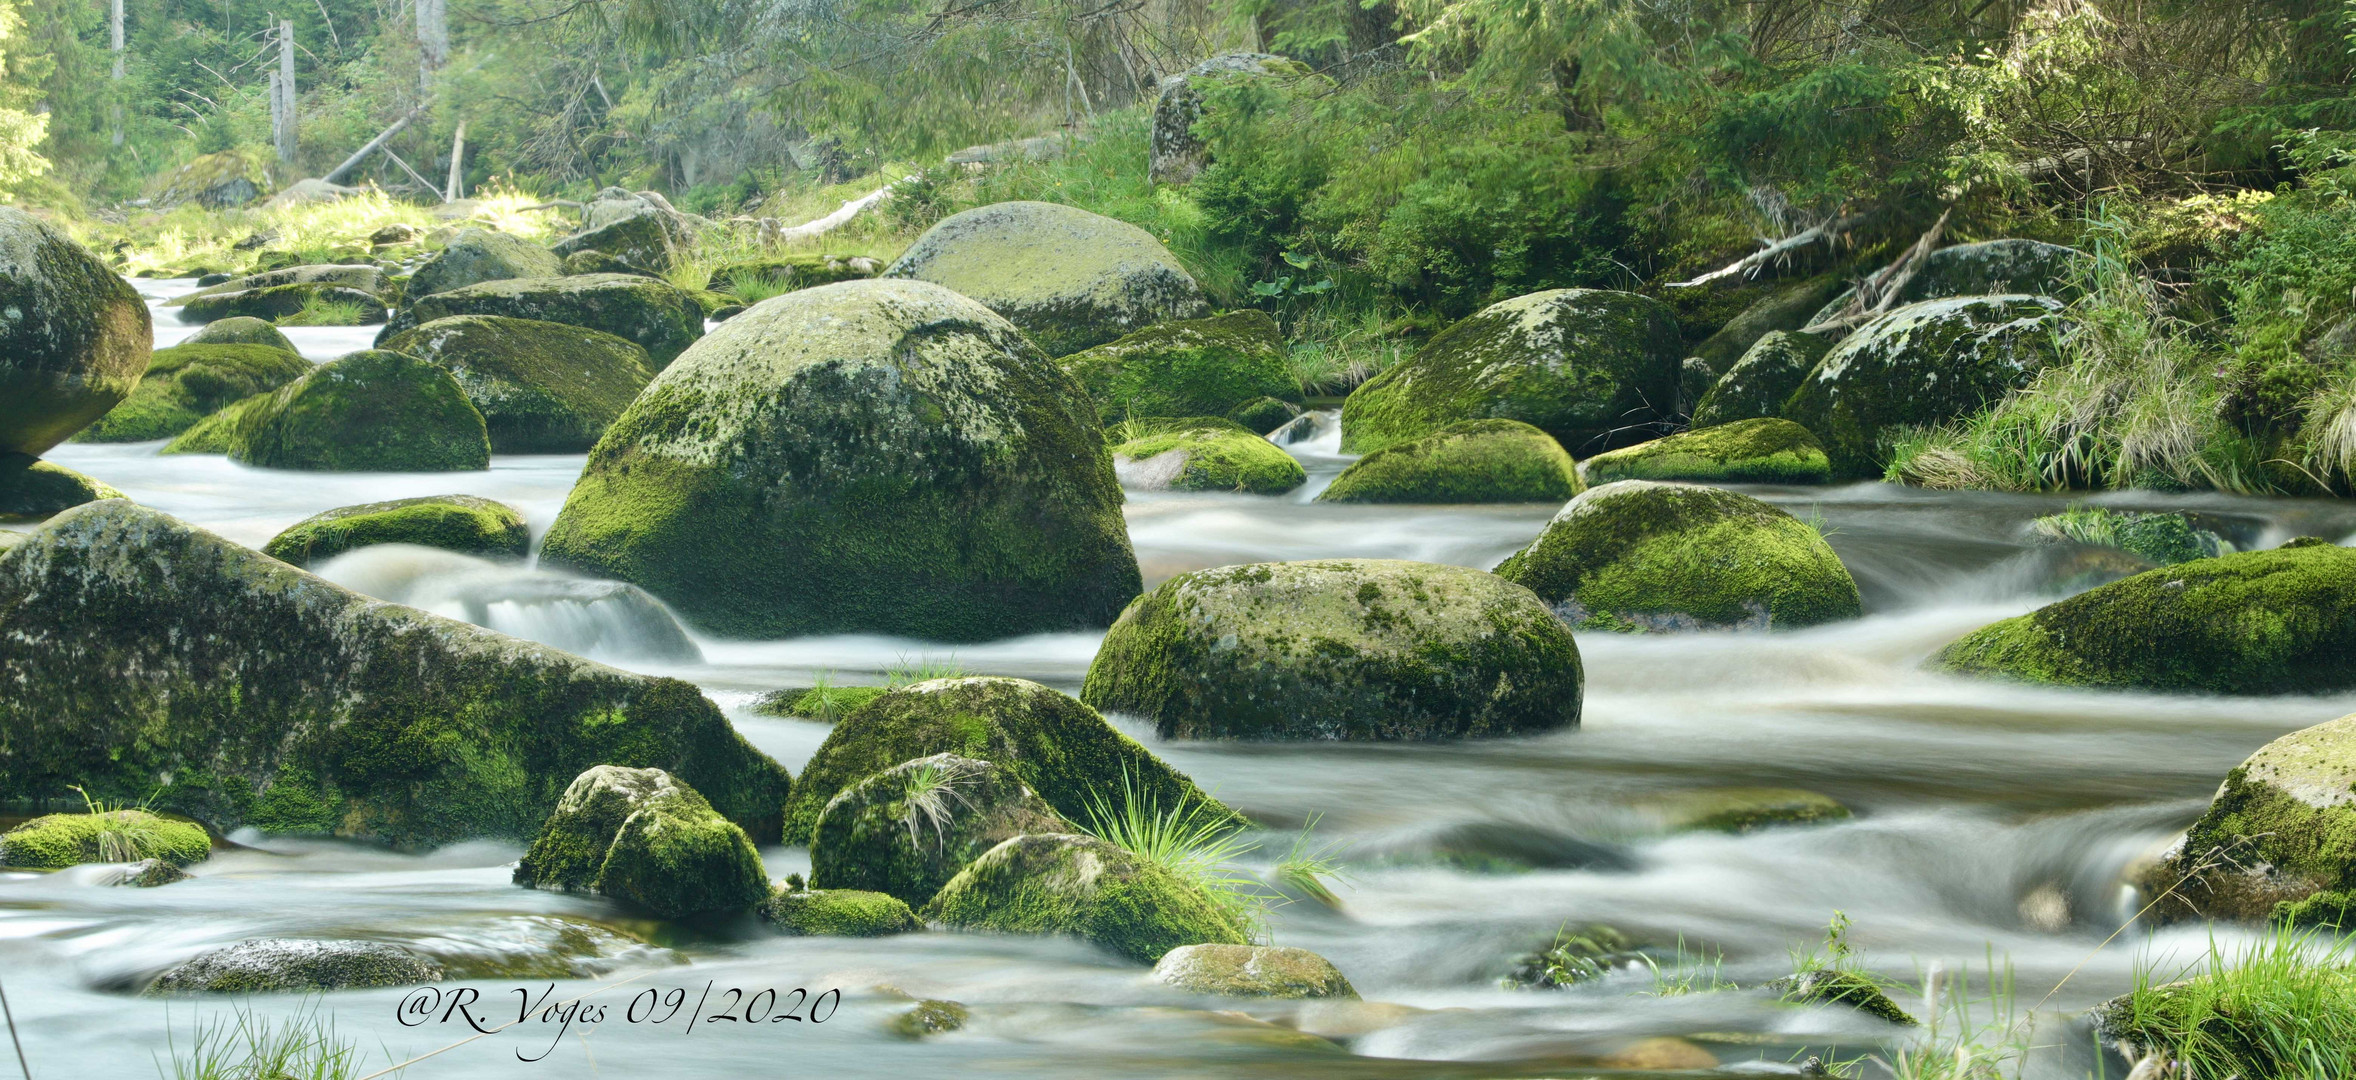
(1191, 842)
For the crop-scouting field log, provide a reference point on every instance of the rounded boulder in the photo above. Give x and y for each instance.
(460, 523)
(1070, 279)
(1477, 461)
(370, 411)
(907, 830)
(1202, 453)
(1763, 379)
(187, 383)
(542, 387)
(653, 314)
(1067, 883)
(1761, 451)
(2281, 833)
(240, 330)
(644, 837)
(76, 340)
(1193, 367)
(477, 255)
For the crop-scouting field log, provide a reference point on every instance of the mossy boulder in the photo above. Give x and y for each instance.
(56, 841)
(873, 456)
(2160, 539)
(148, 657)
(1995, 267)
(78, 342)
(1584, 365)
(1066, 883)
(1062, 749)
(1192, 367)
(186, 383)
(542, 387)
(289, 305)
(1264, 415)
(598, 262)
(363, 277)
(837, 913)
(1202, 453)
(636, 229)
(2278, 840)
(33, 488)
(1339, 649)
(822, 703)
(218, 181)
(240, 330)
(1761, 451)
(281, 965)
(770, 276)
(460, 523)
(1783, 309)
(642, 837)
(1763, 379)
(1476, 461)
(1070, 279)
(370, 411)
(149, 874)
(1641, 556)
(907, 830)
(2259, 622)
(1268, 971)
(1832, 986)
(477, 255)
(1177, 154)
(652, 314)
(1924, 363)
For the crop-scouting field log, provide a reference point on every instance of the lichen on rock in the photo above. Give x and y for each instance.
(2278, 840)
(1070, 279)
(1475, 461)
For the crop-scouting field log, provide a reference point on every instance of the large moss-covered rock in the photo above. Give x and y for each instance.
(289, 305)
(1786, 308)
(477, 255)
(873, 456)
(652, 314)
(282, 965)
(542, 387)
(1268, 971)
(55, 841)
(2280, 833)
(642, 837)
(1061, 748)
(1339, 649)
(837, 913)
(1202, 453)
(148, 657)
(218, 181)
(460, 523)
(1636, 555)
(1761, 451)
(1922, 364)
(907, 830)
(33, 488)
(240, 330)
(1070, 279)
(1177, 154)
(186, 383)
(1193, 367)
(1476, 461)
(1065, 883)
(370, 411)
(77, 344)
(1759, 383)
(1582, 364)
(363, 277)
(2260, 622)
(1995, 267)
(766, 277)
(639, 228)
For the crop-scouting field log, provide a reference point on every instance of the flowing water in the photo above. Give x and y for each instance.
(1994, 824)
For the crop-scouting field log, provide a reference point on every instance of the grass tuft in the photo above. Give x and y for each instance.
(2283, 1007)
(249, 1046)
(1190, 841)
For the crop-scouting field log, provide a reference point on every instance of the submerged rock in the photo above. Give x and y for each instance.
(1828, 986)
(837, 912)
(868, 457)
(239, 330)
(1062, 883)
(1372, 649)
(269, 697)
(78, 344)
(32, 488)
(1640, 556)
(1194, 367)
(1178, 155)
(460, 523)
(1582, 364)
(652, 314)
(369, 411)
(930, 1017)
(1267, 971)
(2279, 839)
(1499, 847)
(1070, 279)
(1202, 453)
(542, 387)
(149, 874)
(279, 965)
(2260, 622)
(1476, 461)
(642, 837)
(186, 383)
(1061, 748)
(1761, 451)
(56, 841)
(1576, 956)
(477, 255)
(907, 830)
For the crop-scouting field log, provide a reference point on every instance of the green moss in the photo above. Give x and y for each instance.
(1581, 364)
(32, 488)
(2165, 539)
(461, 523)
(274, 966)
(1194, 367)
(1206, 454)
(1477, 461)
(217, 433)
(1264, 415)
(1577, 955)
(187, 383)
(1828, 986)
(2263, 622)
(930, 1018)
(2328, 910)
(542, 387)
(1262, 971)
(1339, 649)
(238, 330)
(643, 837)
(1763, 378)
(647, 312)
(1637, 555)
(828, 703)
(285, 304)
(1061, 748)
(754, 280)
(297, 803)
(908, 829)
(61, 840)
(1761, 451)
(837, 913)
(368, 411)
(478, 255)
(78, 344)
(1079, 885)
(873, 456)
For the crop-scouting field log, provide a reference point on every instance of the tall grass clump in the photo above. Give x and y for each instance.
(249, 1046)
(2283, 1007)
(126, 833)
(1191, 842)
(1966, 1035)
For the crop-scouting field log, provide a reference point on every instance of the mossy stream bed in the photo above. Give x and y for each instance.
(1988, 820)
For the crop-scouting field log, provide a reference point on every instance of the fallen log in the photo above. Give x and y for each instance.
(773, 234)
(337, 175)
(1775, 249)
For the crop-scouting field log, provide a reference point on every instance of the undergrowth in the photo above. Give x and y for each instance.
(247, 1045)
(2282, 1007)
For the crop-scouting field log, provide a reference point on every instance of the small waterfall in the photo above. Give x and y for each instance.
(1318, 431)
(603, 620)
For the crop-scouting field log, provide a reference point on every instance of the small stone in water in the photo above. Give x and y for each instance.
(930, 1018)
(150, 873)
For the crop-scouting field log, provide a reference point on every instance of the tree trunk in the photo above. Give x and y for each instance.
(1566, 89)
(285, 98)
(115, 37)
(457, 188)
(433, 40)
